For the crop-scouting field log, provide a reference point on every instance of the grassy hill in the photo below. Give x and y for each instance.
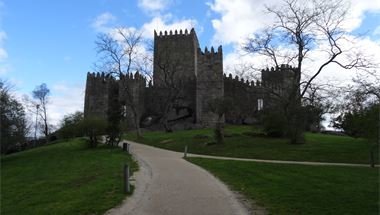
(241, 142)
(300, 189)
(63, 178)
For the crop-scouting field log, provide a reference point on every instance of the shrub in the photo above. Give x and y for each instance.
(274, 123)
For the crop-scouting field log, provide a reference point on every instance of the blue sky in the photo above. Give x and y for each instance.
(52, 42)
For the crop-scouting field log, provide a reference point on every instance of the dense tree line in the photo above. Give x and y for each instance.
(13, 121)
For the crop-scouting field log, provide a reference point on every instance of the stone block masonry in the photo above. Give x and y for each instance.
(198, 78)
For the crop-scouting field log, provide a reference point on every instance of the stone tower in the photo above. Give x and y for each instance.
(178, 54)
(96, 95)
(209, 84)
(131, 96)
(198, 78)
(175, 53)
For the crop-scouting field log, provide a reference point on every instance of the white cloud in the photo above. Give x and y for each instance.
(153, 5)
(4, 65)
(376, 32)
(4, 68)
(101, 22)
(3, 52)
(241, 18)
(166, 23)
(64, 99)
(357, 10)
(67, 59)
(238, 19)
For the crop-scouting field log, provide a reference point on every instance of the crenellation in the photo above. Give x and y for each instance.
(201, 70)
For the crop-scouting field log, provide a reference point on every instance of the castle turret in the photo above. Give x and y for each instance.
(131, 96)
(175, 68)
(175, 54)
(210, 84)
(279, 81)
(96, 95)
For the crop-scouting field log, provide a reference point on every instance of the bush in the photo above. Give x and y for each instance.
(92, 127)
(274, 123)
(254, 134)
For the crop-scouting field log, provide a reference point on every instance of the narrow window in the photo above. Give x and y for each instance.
(124, 110)
(260, 104)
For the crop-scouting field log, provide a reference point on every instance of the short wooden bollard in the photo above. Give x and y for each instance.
(125, 145)
(185, 153)
(126, 179)
(128, 147)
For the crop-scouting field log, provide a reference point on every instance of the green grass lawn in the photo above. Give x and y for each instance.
(239, 143)
(299, 189)
(63, 178)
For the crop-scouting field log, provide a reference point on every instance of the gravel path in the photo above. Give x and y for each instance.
(167, 184)
(310, 163)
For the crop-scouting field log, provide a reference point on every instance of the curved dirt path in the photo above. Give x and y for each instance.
(167, 184)
(309, 163)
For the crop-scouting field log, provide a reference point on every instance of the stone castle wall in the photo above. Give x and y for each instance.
(96, 95)
(132, 95)
(209, 84)
(200, 75)
(175, 53)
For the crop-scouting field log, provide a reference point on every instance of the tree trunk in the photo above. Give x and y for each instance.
(372, 156)
(296, 128)
(134, 106)
(219, 133)
(137, 127)
(165, 120)
(166, 125)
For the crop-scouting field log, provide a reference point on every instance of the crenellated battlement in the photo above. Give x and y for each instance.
(176, 33)
(133, 78)
(278, 77)
(282, 68)
(199, 74)
(210, 54)
(241, 81)
(98, 76)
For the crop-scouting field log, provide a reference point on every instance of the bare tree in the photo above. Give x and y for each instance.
(368, 84)
(171, 88)
(121, 54)
(299, 28)
(317, 102)
(41, 95)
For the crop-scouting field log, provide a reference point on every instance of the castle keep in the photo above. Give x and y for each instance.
(186, 79)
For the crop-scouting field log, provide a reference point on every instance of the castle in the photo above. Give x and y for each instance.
(185, 81)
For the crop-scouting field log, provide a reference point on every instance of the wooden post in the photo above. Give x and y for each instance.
(126, 179)
(185, 153)
(125, 146)
(128, 147)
